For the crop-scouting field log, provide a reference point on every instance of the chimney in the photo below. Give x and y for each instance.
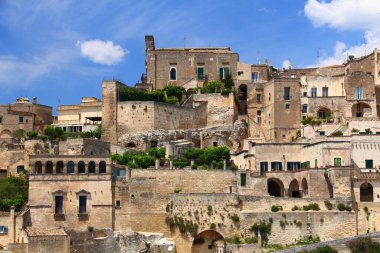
(375, 69)
(149, 42)
(35, 100)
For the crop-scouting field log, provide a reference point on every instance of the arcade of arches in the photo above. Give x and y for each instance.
(276, 188)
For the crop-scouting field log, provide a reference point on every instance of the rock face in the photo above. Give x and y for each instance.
(105, 240)
(230, 136)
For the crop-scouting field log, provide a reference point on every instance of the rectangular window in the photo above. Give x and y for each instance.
(21, 119)
(223, 72)
(82, 204)
(118, 203)
(337, 161)
(1, 119)
(305, 94)
(369, 164)
(20, 168)
(316, 163)
(59, 204)
(240, 73)
(200, 73)
(243, 179)
(293, 165)
(322, 133)
(287, 93)
(313, 92)
(304, 108)
(276, 166)
(359, 93)
(263, 166)
(3, 230)
(255, 77)
(258, 98)
(325, 91)
(287, 106)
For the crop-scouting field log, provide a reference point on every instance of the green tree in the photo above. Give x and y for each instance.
(213, 87)
(157, 152)
(53, 133)
(229, 82)
(18, 134)
(14, 192)
(175, 91)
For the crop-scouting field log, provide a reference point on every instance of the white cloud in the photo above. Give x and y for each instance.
(362, 15)
(102, 52)
(286, 64)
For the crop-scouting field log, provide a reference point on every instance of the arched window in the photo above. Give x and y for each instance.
(294, 191)
(81, 167)
(38, 167)
(91, 167)
(366, 192)
(173, 74)
(102, 167)
(59, 167)
(305, 187)
(49, 167)
(70, 167)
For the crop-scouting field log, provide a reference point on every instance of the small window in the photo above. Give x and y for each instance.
(1, 119)
(325, 91)
(210, 246)
(240, 73)
(305, 94)
(258, 98)
(255, 77)
(359, 93)
(243, 179)
(215, 144)
(223, 72)
(200, 73)
(118, 203)
(263, 166)
(58, 204)
(304, 108)
(287, 93)
(337, 161)
(102, 167)
(173, 74)
(293, 165)
(82, 204)
(287, 106)
(20, 168)
(313, 92)
(369, 164)
(276, 166)
(322, 133)
(3, 230)
(21, 119)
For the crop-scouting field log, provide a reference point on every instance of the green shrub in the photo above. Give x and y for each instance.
(308, 240)
(343, 207)
(233, 240)
(53, 133)
(18, 134)
(14, 192)
(355, 130)
(328, 205)
(312, 206)
(213, 226)
(233, 167)
(177, 190)
(337, 134)
(235, 218)
(264, 228)
(175, 92)
(171, 100)
(157, 152)
(296, 208)
(313, 121)
(178, 163)
(32, 135)
(250, 239)
(194, 167)
(193, 153)
(322, 249)
(213, 87)
(368, 131)
(276, 208)
(144, 161)
(364, 245)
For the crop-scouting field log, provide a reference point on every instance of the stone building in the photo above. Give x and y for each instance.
(23, 115)
(86, 116)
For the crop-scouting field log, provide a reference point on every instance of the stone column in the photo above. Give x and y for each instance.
(157, 164)
(225, 164)
(170, 164)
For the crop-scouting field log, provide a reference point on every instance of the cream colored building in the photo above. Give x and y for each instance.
(86, 116)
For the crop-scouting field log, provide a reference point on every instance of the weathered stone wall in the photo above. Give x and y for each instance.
(48, 244)
(10, 159)
(85, 147)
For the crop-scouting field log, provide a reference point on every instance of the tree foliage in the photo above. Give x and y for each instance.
(18, 134)
(13, 192)
(157, 152)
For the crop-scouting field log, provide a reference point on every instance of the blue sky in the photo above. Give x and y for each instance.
(61, 51)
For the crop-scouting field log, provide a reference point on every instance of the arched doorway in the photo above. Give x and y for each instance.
(324, 113)
(38, 167)
(243, 99)
(59, 167)
(366, 192)
(304, 187)
(102, 167)
(294, 190)
(204, 242)
(275, 187)
(360, 109)
(49, 167)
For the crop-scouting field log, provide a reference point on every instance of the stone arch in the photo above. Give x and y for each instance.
(49, 167)
(59, 167)
(275, 187)
(366, 192)
(4, 144)
(38, 167)
(359, 108)
(91, 167)
(81, 167)
(294, 189)
(102, 167)
(204, 242)
(243, 94)
(323, 112)
(6, 134)
(70, 167)
(305, 187)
